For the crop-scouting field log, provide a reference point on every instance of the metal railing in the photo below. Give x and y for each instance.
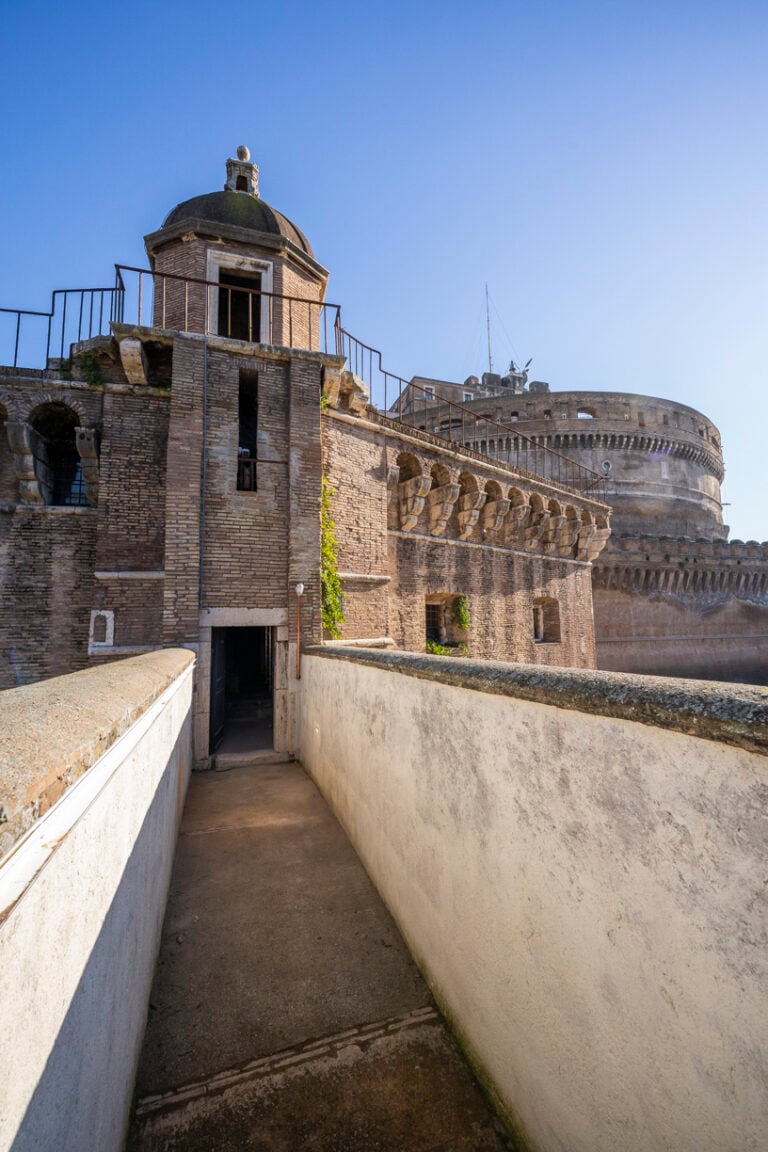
(247, 475)
(192, 304)
(402, 402)
(76, 314)
(143, 297)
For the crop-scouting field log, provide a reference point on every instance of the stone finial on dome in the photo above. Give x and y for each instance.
(242, 176)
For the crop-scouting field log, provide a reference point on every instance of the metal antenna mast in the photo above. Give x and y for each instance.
(488, 327)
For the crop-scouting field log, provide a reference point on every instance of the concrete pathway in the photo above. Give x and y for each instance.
(286, 1012)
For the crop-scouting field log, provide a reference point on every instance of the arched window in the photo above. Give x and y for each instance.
(57, 461)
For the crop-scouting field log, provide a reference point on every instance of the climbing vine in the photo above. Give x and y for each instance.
(332, 597)
(461, 613)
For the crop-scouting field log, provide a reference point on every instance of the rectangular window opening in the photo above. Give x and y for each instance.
(434, 623)
(240, 305)
(546, 620)
(247, 432)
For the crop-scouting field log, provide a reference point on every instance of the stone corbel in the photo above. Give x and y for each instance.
(331, 385)
(134, 361)
(585, 542)
(393, 479)
(534, 533)
(86, 440)
(413, 493)
(355, 393)
(517, 522)
(567, 537)
(441, 502)
(549, 537)
(20, 442)
(597, 543)
(494, 516)
(470, 505)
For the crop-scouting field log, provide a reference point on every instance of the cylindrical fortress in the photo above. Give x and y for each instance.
(662, 461)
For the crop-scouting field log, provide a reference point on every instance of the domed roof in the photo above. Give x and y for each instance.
(238, 210)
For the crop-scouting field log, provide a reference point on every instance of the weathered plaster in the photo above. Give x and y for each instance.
(584, 887)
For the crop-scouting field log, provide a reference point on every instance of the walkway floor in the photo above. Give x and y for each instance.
(286, 1012)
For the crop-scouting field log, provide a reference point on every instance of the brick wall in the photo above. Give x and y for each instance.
(500, 588)
(305, 485)
(184, 306)
(46, 565)
(246, 554)
(500, 584)
(132, 482)
(181, 601)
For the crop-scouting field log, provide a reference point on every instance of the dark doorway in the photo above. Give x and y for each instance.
(242, 661)
(240, 306)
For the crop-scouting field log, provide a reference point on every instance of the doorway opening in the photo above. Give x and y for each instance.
(242, 673)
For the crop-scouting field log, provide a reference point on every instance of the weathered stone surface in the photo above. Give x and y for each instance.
(51, 732)
(731, 713)
(134, 360)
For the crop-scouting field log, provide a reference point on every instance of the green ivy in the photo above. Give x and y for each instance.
(332, 597)
(461, 613)
(90, 369)
(435, 649)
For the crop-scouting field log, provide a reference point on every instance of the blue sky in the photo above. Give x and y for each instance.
(601, 165)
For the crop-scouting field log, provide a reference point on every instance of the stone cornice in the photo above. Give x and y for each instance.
(210, 230)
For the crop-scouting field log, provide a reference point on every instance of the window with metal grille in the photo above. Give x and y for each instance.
(240, 306)
(57, 462)
(434, 621)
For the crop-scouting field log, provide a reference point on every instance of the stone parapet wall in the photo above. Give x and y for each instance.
(575, 859)
(709, 572)
(93, 774)
(53, 732)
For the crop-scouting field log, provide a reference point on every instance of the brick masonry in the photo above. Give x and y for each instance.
(500, 582)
